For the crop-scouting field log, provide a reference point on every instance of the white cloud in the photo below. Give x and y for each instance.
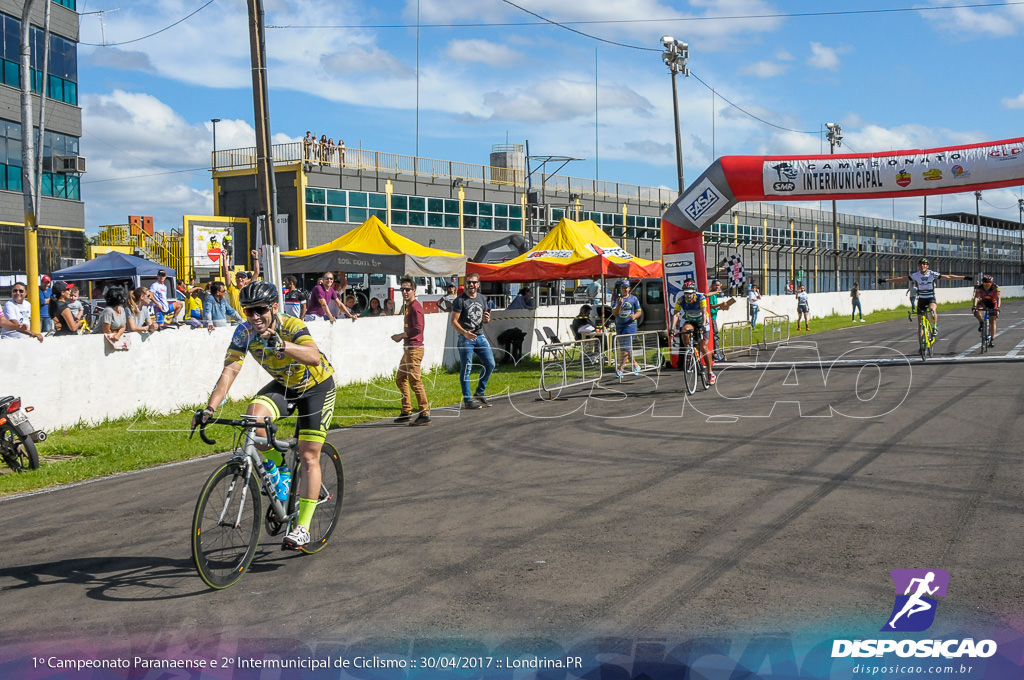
(765, 69)
(1014, 102)
(555, 100)
(963, 21)
(483, 52)
(825, 57)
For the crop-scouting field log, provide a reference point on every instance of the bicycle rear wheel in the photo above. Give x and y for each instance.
(328, 507)
(226, 526)
(690, 370)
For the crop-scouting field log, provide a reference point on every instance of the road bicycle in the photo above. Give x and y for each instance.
(694, 366)
(925, 334)
(227, 518)
(986, 336)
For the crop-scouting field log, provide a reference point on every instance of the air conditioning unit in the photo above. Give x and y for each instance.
(66, 262)
(64, 164)
(71, 164)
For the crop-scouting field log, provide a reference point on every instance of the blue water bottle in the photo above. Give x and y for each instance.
(284, 482)
(273, 476)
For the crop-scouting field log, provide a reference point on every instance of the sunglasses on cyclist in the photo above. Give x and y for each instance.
(256, 311)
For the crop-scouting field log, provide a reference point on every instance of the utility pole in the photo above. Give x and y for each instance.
(266, 188)
(835, 138)
(28, 166)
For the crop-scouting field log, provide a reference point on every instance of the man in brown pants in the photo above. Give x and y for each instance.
(409, 368)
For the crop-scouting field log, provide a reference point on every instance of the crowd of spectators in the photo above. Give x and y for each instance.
(323, 151)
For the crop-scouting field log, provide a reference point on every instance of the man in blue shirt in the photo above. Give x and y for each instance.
(216, 310)
(46, 323)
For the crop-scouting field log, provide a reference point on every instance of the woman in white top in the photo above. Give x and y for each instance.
(753, 304)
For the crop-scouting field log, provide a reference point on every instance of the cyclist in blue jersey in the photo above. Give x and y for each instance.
(692, 312)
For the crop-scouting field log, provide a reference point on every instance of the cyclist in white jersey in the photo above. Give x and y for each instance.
(924, 278)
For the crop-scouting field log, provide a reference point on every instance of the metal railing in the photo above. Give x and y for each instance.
(382, 161)
(167, 249)
(736, 337)
(568, 364)
(776, 330)
(644, 350)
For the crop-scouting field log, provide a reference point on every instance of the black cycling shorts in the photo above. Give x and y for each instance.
(315, 407)
(923, 304)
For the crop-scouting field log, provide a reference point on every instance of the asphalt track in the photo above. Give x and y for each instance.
(778, 500)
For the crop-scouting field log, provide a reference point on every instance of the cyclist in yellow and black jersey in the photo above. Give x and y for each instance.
(284, 369)
(302, 375)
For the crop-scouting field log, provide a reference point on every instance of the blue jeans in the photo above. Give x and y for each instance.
(753, 316)
(482, 349)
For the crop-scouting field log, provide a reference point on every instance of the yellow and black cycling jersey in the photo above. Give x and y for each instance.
(693, 311)
(287, 371)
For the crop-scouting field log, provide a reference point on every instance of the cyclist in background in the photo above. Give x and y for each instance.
(924, 278)
(692, 312)
(986, 296)
(301, 374)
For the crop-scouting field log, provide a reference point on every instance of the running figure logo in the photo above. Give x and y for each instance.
(916, 592)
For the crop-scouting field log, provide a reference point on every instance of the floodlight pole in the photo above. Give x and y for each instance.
(835, 138)
(675, 56)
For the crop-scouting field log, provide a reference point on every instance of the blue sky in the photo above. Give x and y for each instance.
(896, 74)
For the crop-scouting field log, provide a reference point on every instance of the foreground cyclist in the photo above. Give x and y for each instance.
(924, 278)
(692, 311)
(986, 296)
(302, 375)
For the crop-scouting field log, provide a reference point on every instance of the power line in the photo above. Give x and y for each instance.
(735, 17)
(150, 35)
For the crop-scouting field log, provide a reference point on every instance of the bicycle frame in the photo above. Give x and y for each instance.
(925, 334)
(251, 458)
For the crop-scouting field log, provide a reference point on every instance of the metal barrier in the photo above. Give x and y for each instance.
(645, 349)
(775, 329)
(567, 364)
(737, 336)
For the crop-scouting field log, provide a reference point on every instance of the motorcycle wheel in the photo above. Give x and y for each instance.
(27, 454)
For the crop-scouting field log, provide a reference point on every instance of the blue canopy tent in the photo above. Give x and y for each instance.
(114, 265)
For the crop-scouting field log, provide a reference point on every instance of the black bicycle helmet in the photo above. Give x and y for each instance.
(923, 260)
(257, 293)
(689, 288)
(986, 278)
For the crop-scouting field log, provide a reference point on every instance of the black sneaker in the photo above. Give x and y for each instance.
(403, 418)
(991, 343)
(470, 404)
(421, 419)
(482, 399)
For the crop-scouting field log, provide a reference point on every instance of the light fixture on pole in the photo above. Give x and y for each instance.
(835, 138)
(213, 164)
(675, 56)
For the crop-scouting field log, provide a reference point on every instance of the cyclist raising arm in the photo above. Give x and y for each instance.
(986, 295)
(925, 278)
(302, 375)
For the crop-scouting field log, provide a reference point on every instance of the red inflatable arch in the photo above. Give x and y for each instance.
(887, 174)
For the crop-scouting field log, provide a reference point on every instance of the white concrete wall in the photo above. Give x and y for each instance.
(77, 378)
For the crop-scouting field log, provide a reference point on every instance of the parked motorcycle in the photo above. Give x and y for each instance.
(17, 436)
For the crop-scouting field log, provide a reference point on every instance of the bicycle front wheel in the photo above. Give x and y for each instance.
(226, 526)
(328, 507)
(690, 369)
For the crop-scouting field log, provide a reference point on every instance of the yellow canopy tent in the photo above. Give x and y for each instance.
(373, 247)
(571, 250)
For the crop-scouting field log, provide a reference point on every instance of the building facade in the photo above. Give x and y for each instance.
(61, 212)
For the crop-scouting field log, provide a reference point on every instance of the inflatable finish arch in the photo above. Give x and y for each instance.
(888, 174)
